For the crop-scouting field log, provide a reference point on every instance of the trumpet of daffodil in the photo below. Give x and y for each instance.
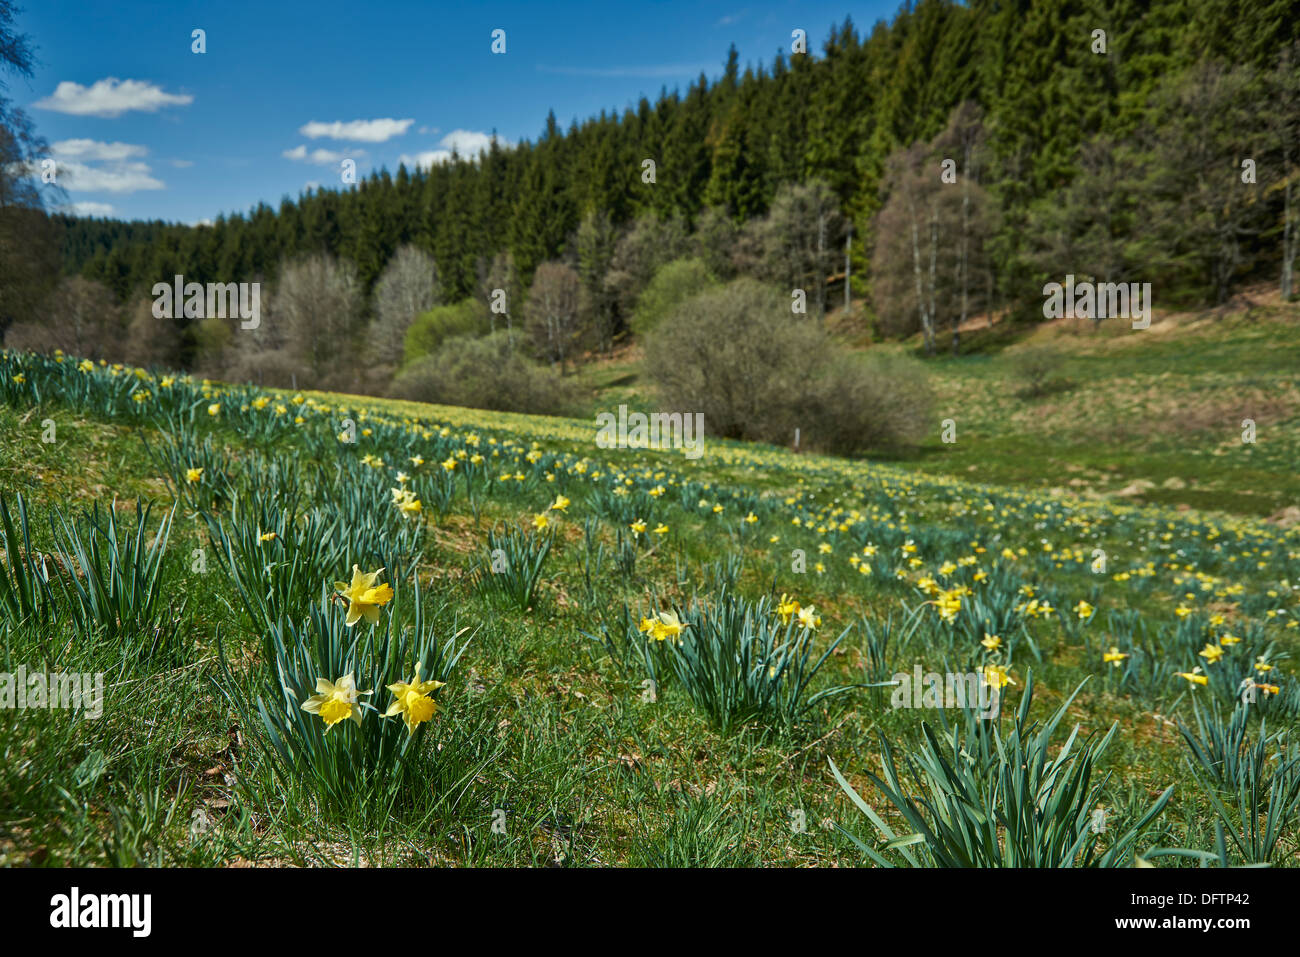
(1229, 640)
(808, 618)
(1261, 665)
(1114, 656)
(266, 537)
(668, 626)
(1211, 653)
(751, 518)
(637, 527)
(417, 460)
(364, 596)
(1194, 676)
(412, 700)
(786, 608)
(1083, 609)
(335, 702)
(214, 408)
(991, 642)
(661, 529)
(193, 475)
(540, 521)
(560, 504)
(948, 604)
(996, 676)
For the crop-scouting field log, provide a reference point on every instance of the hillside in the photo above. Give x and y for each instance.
(575, 725)
(1152, 416)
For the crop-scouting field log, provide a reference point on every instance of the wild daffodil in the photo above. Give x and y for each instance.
(1114, 656)
(364, 596)
(413, 700)
(336, 701)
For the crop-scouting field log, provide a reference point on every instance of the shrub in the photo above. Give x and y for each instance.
(877, 402)
(485, 373)
(736, 354)
(431, 329)
(1037, 368)
(672, 285)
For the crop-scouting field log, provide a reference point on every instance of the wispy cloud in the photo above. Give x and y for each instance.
(92, 166)
(356, 131)
(89, 209)
(96, 150)
(111, 178)
(321, 157)
(110, 97)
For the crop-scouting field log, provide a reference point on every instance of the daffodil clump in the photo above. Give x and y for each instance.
(335, 727)
(739, 661)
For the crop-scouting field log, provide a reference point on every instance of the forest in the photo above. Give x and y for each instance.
(946, 164)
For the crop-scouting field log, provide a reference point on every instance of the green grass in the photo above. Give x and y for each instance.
(557, 747)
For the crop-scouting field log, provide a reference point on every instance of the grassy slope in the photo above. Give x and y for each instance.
(588, 770)
(1149, 416)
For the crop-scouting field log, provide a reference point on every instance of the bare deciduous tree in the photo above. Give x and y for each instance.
(80, 317)
(552, 312)
(317, 303)
(407, 287)
(801, 238)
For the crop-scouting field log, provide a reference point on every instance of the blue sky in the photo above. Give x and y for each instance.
(145, 128)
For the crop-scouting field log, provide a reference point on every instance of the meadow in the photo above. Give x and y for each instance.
(343, 630)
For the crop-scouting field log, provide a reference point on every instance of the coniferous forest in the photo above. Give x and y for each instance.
(1129, 162)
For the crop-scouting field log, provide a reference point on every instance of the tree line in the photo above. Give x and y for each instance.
(946, 163)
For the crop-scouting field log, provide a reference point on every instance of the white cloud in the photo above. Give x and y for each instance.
(358, 131)
(120, 177)
(426, 159)
(182, 164)
(110, 97)
(468, 143)
(89, 209)
(321, 157)
(95, 150)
